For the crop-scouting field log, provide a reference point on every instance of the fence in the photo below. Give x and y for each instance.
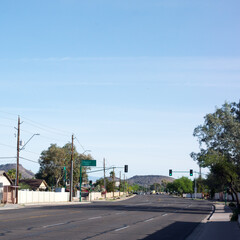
(98, 195)
(192, 195)
(221, 196)
(1, 192)
(41, 197)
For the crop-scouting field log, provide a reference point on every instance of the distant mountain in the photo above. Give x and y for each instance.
(26, 174)
(148, 180)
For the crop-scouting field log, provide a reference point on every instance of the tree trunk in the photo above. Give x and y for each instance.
(236, 195)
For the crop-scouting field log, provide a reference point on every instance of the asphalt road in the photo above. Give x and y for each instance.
(141, 217)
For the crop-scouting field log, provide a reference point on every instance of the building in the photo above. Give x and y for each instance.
(7, 189)
(35, 184)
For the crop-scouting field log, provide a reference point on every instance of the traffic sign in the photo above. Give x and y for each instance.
(88, 163)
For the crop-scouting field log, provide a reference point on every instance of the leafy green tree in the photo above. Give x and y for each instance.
(53, 160)
(24, 186)
(180, 186)
(219, 140)
(156, 186)
(12, 174)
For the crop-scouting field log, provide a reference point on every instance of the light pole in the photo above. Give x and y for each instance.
(18, 151)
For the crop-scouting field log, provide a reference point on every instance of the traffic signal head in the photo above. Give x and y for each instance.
(126, 168)
(170, 172)
(191, 172)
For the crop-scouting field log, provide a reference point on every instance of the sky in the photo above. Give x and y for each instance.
(131, 79)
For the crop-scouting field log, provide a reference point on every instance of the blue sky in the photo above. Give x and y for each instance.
(131, 79)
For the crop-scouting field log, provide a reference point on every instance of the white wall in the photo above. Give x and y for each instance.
(1, 192)
(41, 197)
(189, 195)
(221, 196)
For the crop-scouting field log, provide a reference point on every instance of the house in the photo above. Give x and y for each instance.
(4, 179)
(35, 184)
(7, 188)
(117, 181)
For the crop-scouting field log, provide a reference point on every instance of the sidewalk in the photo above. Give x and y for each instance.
(218, 227)
(18, 206)
(10, 206)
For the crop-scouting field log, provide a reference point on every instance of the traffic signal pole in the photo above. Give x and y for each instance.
(191, 174)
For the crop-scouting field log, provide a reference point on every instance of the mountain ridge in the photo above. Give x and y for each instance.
(25, 174)
(143, 180)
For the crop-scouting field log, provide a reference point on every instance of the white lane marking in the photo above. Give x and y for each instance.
(120, 213)
(119, 229)
(148, 220)
(139, 204)
(165, 214)
(53, 225)
(94, 218)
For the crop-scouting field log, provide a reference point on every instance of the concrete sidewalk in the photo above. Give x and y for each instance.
(18, 206)
(218, 227)
(76, 202)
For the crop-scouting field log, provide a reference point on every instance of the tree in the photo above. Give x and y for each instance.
(12, 174)
(156, 186)
(53, 160)
(180, 186)
(219, 140)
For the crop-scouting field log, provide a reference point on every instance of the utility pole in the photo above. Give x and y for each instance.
(104, 175)
(18, 150)
(113, 182)
(124, 184)
(119, 183)
(71, 180)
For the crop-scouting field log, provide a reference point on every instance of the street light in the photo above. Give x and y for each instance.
(36, 134)
(18, 150)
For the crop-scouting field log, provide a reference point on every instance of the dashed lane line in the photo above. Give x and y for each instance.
(53, 225)
(119, 229)
(94, 218)
(148, 220)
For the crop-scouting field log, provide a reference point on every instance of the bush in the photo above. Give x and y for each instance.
(231, 204)
(234, 216)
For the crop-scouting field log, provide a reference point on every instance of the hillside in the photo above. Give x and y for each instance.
(25, 173)
(149, 179)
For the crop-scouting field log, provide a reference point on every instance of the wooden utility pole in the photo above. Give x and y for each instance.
(113, 182)
(104, 175)
(119, 183)
(18, 150)
(71, 180)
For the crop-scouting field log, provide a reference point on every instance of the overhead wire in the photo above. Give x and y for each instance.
(44, 127)
(80, 144)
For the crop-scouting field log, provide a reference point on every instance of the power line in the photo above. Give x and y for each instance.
(29, 160)
(44, 127)
(7, 145)
(9, 114)
(80, 143)
(4, 125)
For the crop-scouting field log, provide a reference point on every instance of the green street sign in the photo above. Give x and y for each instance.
(88, 163)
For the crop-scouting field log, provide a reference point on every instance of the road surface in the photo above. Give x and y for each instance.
(141, 217)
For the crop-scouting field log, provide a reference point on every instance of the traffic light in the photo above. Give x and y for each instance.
(191, 172)
(125, 168)
(170, 172)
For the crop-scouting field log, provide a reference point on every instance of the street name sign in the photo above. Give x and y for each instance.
(88, 163)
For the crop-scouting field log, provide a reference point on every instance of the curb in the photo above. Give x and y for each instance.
(213, 211)
(195, 234)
